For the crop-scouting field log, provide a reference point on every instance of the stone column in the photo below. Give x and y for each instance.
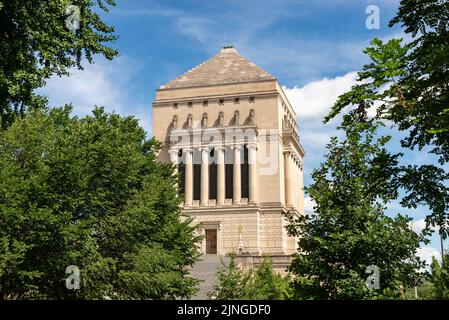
(174, 159)
(237, 192)
(288, 172)
(301, 185)
(205, 177)
(188, 184)
(252, 166)
(221, 187)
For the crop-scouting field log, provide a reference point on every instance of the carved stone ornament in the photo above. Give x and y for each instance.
(252, 117)
(236, 118)
(204, 120)
(190, 121)
(175, 122)
(221, 119)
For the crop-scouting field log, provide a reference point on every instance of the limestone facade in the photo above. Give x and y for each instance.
(232, 133)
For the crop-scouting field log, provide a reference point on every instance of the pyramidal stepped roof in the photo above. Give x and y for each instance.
(224, 68)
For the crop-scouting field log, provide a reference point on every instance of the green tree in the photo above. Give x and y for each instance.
(424, 290)
(350, 230)
(264, 283)
(89, 192)
(231, 282)
(408, 83)
(439, 277)
(269, 285)
(35, 43)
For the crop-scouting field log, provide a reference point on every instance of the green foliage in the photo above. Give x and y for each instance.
(268, 285)
(408, 83)
(424, 291)
(377, 81)
(427, 75)
(427, 185)
(350, 230)
(36, 43)
(231, 283)
(261, 284)
(88, 192)
(440, 278)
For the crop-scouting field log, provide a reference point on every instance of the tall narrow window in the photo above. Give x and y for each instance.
(212, 176)
(196, 174)
(182, 172)
(182, 177)
(229, 174)
(245, 173)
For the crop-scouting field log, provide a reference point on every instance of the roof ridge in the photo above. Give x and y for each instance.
(195, 67)
(225, 67)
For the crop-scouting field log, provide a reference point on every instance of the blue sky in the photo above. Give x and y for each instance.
(313, 48)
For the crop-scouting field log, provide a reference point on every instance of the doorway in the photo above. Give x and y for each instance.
(211, 241)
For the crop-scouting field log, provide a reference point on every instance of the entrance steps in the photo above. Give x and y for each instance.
(206, 270)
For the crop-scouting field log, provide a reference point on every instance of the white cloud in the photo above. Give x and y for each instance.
(104, 83)
(303, 58)
(318, 138)
(418, 225)
(308, 206)
(426, 254)
(253, 29)
(95, 85)
(315, 99)
(197, 28)
(153, 12)
(311, 103)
